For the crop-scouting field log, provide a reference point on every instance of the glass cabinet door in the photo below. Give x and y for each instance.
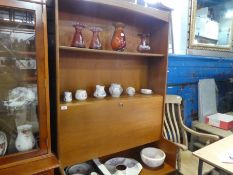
(19, 82)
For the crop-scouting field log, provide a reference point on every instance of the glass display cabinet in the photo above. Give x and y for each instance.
(24, 104)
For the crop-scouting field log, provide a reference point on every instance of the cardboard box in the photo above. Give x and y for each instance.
(219, 120)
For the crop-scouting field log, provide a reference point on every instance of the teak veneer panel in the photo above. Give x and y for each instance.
(32, 166)
(97, 129)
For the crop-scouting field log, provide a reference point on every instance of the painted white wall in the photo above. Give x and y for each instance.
(180, 17)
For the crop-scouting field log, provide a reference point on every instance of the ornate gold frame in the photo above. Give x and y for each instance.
(192, 33)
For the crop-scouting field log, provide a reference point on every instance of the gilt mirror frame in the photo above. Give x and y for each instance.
(203, 46)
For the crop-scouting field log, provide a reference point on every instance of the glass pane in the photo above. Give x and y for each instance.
(19, 123)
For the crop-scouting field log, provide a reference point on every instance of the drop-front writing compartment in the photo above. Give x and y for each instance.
(97, 128)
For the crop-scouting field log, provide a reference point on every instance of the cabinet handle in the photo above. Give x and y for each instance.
(121, 105)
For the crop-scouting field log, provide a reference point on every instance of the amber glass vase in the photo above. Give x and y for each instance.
(95, 41)
(118, 39)
(78, 40)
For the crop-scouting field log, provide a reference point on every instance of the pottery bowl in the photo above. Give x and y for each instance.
(152, 157)
(79, 169)
(146, 91)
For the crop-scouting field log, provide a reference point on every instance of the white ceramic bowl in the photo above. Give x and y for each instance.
(152, 157)
(79, 169)
(146, 91)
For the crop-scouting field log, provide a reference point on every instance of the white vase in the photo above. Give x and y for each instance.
(99, 92)
(115, 90)
(25, 140)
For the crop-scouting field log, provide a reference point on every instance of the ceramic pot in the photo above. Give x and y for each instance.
(81, 94)
(99, 92)
(67, 96)
(130, 91)
(25, 140)
(115, 90)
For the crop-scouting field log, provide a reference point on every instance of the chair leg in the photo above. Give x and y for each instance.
(200, 167)
(178, 160)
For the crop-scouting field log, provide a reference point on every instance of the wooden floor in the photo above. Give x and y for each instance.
(175, 173)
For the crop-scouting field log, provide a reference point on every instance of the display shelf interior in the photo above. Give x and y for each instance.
(135, 154)
(85, 71)
(7, 23)
(13, 53)
(79, 11)
(91, 100)
(94, 51)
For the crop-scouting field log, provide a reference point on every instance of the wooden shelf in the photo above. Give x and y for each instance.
(5, 23)
(85, 50)
(91, 100)
(32, 166)
(17, 53)
(165, 169)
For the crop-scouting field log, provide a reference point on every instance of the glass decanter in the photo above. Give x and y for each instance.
(95, 41)
(118, 42)
(144, 44)
(78, 40)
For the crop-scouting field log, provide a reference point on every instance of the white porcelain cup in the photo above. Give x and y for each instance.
(81, 94)
(67, 96)
(130, 91)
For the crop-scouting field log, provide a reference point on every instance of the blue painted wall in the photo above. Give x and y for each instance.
(184, 71)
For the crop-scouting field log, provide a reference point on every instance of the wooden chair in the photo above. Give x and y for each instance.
(175, 130)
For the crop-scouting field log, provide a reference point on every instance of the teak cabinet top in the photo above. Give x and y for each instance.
(98, 128)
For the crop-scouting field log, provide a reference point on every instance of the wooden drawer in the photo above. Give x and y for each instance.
(96, 128)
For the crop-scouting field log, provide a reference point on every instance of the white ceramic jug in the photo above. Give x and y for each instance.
(99, 92)
(115, 90)
(25, 140)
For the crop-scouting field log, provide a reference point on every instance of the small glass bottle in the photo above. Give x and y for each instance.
(95, 41)
(144, 44)
(78, 40)
(118, 42)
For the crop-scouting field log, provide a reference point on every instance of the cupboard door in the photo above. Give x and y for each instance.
(23, 78)
(101, 127)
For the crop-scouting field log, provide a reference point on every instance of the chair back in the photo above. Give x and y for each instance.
(172, 128)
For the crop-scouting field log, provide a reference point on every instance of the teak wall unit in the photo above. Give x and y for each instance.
(21, 19)
(100, 128)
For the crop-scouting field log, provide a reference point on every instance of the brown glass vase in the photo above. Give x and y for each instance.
(95, 41)
(118, 42)
(78, 40)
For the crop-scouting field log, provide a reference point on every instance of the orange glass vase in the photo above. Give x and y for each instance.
(118, 42)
